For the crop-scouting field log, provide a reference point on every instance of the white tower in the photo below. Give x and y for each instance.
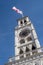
(27, 46)
(25, 38)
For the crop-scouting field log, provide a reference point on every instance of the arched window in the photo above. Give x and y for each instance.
(21, 52)
(22, 41)
(34, 49)
(25, 22)
(27, 51)
(21, 22)
(29, 39)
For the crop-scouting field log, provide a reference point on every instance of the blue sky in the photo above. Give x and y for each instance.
(8, 21)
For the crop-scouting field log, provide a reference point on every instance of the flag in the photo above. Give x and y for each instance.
(17, 10)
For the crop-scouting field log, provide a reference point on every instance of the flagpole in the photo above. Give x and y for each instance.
(22, 15)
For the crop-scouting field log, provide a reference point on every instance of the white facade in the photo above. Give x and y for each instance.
(27, 47)
(25, 40)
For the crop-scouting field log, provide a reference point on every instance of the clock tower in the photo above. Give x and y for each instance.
(27, 47)
(25, 38)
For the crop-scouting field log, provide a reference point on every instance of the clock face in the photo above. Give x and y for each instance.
(24, 32)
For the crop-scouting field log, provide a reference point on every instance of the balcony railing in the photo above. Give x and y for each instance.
(35, 53)
(34, 59)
